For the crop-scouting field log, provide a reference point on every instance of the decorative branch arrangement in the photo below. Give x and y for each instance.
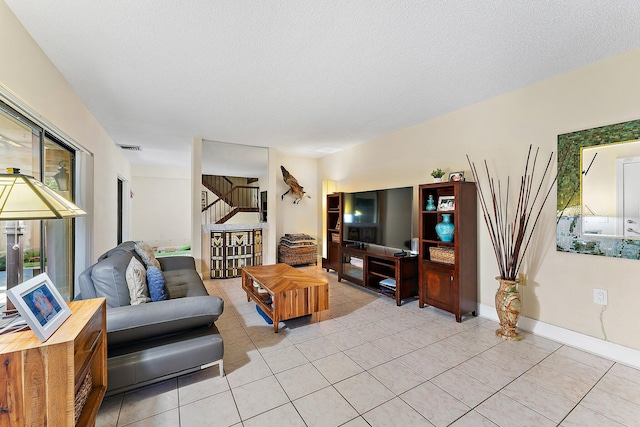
(511, 229)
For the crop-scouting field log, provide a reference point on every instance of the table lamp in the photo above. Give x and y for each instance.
(23, 197)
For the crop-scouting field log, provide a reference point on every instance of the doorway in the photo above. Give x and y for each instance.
(628, 197)
(120, 210)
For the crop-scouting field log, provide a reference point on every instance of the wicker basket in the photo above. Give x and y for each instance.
(82, 394)
(300, 255)
(442, 254)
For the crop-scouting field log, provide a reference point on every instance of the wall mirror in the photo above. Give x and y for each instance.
(598, 202)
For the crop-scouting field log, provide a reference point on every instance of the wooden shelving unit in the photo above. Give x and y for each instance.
(42, 378)
(452, 287)
(377, 267)
(333, 241)
(374, 267)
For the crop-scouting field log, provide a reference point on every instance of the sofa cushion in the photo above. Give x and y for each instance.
(136, 276)
(177, 263)
(109, 279)
(146, 253)
(130, 324)
(184, 283)
(157, 285)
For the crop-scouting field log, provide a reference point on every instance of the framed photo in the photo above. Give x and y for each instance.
(456, 176)
(446, 203)
(205, 200)
(40, 305)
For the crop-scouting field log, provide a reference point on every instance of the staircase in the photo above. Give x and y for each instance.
(231, 200)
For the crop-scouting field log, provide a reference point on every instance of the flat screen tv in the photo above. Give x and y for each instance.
(380, 217)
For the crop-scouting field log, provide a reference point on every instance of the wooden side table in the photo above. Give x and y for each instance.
(40, 379)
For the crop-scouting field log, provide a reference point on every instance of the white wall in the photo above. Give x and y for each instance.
(560, 285)
(161, 205)
(29, 75)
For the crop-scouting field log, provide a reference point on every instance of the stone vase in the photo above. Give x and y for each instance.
(508, 307)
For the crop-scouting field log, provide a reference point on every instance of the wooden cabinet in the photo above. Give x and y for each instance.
(448, 270)
(40, 380)
(372, 268)
(363, 266)
(402, 270)
(352, 267)
(333, 241)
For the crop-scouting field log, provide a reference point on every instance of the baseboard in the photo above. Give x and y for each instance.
(615, 352)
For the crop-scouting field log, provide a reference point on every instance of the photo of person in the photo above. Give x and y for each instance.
(446, 203)
(456, 176)
(42, 304)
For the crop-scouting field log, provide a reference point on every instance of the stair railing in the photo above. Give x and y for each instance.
(239, 199)
(218, 185)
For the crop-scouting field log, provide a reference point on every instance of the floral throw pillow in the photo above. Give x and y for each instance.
(146, 253)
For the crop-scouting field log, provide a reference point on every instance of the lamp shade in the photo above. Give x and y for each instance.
(23, 197)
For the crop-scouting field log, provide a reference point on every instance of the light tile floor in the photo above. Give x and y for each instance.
(371, 363)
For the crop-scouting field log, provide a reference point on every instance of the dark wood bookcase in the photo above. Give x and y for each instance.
(333, 241)
(451, 285)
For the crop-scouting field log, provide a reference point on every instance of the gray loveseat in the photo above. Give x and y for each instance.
(154, 341)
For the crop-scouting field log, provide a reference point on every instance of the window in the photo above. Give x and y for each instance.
(31, 247)
(59, 234)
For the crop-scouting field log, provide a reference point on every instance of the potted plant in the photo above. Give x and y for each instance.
(511, 229)
(437, 175)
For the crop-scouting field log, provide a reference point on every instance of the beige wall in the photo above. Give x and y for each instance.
(301, 217)
(161, 205)
(560, 285)
(29, 75)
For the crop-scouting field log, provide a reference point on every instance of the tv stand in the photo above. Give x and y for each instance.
(371, 268)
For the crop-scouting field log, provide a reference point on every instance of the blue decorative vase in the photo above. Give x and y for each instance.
(444, 229)
(431, 204)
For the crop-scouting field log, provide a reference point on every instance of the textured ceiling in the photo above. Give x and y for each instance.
(308, 76)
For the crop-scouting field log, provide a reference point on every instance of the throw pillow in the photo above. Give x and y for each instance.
(157, 284)
(137, 282)
(146, 253)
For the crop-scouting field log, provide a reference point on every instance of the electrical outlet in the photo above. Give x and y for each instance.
(600, 296)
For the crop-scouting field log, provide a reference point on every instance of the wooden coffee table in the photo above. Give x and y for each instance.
(293, 293)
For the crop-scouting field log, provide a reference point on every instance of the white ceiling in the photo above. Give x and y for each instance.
(308, 76)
